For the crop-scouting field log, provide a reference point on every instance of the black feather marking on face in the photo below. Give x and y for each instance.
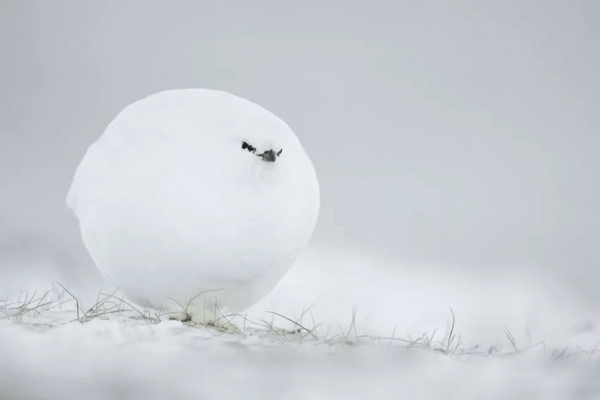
(245, 146)
(279, 152)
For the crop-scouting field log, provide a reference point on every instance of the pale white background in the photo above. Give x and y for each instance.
(456, 145)
(461, 132)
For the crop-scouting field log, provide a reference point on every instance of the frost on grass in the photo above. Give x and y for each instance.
(116, 349)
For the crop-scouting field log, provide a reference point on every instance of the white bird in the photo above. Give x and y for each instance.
(195, 191)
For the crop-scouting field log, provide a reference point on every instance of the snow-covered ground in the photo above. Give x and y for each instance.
(368, 330)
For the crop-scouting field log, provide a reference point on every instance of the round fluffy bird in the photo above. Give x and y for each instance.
(195, 198)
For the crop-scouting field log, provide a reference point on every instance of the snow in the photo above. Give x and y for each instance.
(176, 198)
(50, 355)
(414, 298)
(105, 359)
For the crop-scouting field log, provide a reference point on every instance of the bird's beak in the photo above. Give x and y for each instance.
(269, 156)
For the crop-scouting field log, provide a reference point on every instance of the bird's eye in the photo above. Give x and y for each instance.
(279, 152)
(245, 145)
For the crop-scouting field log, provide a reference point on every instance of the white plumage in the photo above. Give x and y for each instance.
(171, 203)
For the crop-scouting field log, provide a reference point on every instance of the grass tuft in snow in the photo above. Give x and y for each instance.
(51, 310)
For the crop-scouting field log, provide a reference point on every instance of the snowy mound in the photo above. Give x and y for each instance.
(195, 191)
